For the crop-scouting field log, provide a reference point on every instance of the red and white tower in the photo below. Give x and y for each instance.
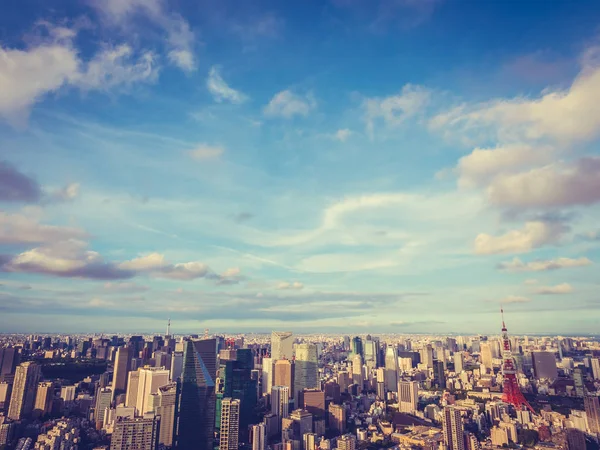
(511, 392)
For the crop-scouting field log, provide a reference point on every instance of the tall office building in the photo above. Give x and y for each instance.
(595, 363)
(459, 362)
(439, 376)
(43, 398)
(284, 374)
(280, 401)
(314, 402)
(592, 411)
(486, 355)
(230, 424)
(357, 347)
(197, 399)
(391, 369)
(337, 418)
(164, 402)
(579, 382)
(357, 371)
(426, 355)
(258, 437)
(282, 345)
(310, 441)
(575, 439)
(454, 435)
(150, 379)
(408, 396)
(67, 393)
(9, 360)
(176, 365)
(306, 370)
(103, 401)
(24, 389)
(133, 382)
(347, 442)
(267, 375)
(122, 367)
(544, 365)
(140, 433)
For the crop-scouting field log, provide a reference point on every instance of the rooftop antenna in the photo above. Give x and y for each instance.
(502, 313)
(169, 327)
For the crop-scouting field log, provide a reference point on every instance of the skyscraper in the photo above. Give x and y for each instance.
(337, 418)
(284, 374)
(122, 367)
(24, 389)
(103, 400)
(426, 354)
(282, 345)
(459, 361)
(150, 379)
(197, 396)
(391, 369)
(140, 433)
(133, 381)
(43, 398)
(592, 410)
(280, 401)
(579, 382)
(347, 442)
(258, 436)
(306, 370)
(439, 377)
(486, 355)
(357, 347)
(176, 365)
(9, 359)
(230, 424)
(164, 402)
(357, 371)
(595, 363)
(408, 396)
(267, 375)
(310, 441)
(575, 439)
(314, 402)
(453, 429)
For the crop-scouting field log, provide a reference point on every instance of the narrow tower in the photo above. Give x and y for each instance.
(169, 327)
(511, 392)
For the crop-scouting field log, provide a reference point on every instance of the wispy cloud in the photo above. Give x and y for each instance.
(533, 235)
(287, 104)
(559, 289)
(206, 151)
(220, 90)
(516, 265)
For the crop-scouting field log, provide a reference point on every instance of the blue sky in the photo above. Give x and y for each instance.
(341, 165)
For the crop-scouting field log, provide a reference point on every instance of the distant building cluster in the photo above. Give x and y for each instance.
(305, 392)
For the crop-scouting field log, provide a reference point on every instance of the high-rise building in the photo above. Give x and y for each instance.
(43, 398)
(459, 362)
(133, 382)
(67, 393)
(595, 363)
(140, 433)
(258, 437)
(486, 355)
(544, 365)
(230, 424)
(24, 389)
(408, 396)
(284, 374)
(391, 369)
(282, 345)
(310, 441)
(575, 439)
(267, 375)
(9, 359)
(176, 365)
(303, 423)
(370, 351)
(592, 410)
(426, 356)
(347, 442)
(122, 367)
(337, 418)
(165, 401)
(197, 400)
(579, 382)
(150, 379)
(439, 376)
(306, 370)
(357, 371)
(280, 401)
(314, 402)
(453, 428)
(357, 347)
(103, 401)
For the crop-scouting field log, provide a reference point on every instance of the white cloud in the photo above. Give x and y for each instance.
(566, 116)
(28, 75)
(559, 289)
(515, 299)
(179, 37)
(555, 185)
(149, 262)
(342, 135)
(483, 164)
(287, 104)
(24, 229)
(285, 285)
(205, 151)
(516, 265)
(396, 109)
(220, 90)
(535, 234)
(68, 193)
(156, 265)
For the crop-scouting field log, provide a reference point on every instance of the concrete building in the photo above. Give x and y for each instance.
(280, 401)
(24, 390)
(164, 404)
(150, 379)
(306, 370)
(592, 411)
(453, 428)
(282, 345)
(337, 418)
(347, 442)
(544, 365)
(258, 437)
(103, 401)
(140, 433)
(408, 396)
(230, 424)
(43, 399)
(267, 375)
(283, 374)
(122, 368)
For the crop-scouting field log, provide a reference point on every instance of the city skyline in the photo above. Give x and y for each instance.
(336, 167)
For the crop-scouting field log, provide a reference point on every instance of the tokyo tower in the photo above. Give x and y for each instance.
(511, 392)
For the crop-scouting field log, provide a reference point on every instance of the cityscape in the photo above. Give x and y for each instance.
(299, 224)
(299, 392)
